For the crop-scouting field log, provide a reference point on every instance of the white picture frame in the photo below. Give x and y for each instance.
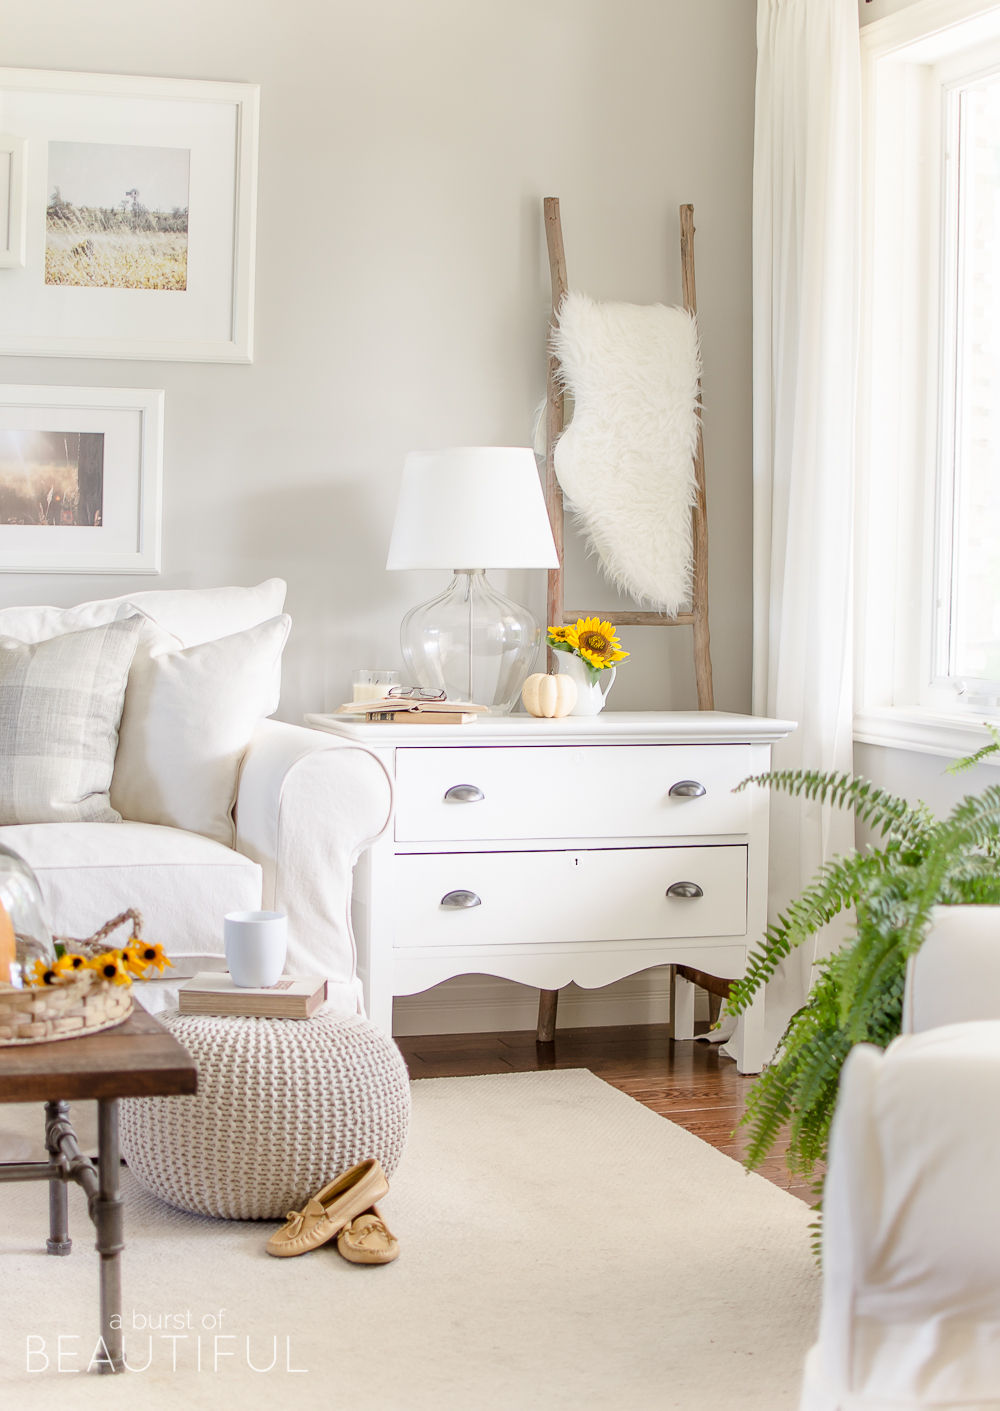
(119, 140)
(55, 437)
(13, 205)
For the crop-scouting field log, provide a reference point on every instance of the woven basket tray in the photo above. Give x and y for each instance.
(82, 1003)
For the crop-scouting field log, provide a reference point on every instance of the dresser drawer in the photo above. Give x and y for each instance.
(597, 791)
(595, 894)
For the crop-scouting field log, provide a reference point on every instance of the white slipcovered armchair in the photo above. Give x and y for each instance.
(955, 975)
(307, 804)
(911, 1242)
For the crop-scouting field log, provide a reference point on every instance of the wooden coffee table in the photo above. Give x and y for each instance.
(137, 1059)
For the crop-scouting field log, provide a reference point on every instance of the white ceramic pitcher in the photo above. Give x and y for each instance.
(591, 696)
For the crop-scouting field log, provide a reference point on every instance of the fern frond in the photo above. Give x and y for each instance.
(816, 1226)
(871, 804)
(970, 761)
(857, 996)
(836, 886)
(769, 1106)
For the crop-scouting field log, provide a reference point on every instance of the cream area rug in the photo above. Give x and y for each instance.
(562, 1247)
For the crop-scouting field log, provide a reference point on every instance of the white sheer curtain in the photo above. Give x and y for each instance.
(806, 238)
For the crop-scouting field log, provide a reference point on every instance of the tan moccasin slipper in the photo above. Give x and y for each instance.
(368, 1240)
(329, 1210)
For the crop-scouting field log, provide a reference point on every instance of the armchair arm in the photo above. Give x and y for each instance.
(308, 804)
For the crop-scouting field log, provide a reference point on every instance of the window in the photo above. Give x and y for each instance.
(928, 527)
(967, 631)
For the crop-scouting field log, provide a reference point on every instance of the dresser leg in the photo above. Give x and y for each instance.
(683, 1008)
(750, 1054)
(548, 1008)
(380, 1008)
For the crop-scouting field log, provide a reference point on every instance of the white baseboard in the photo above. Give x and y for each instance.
(483, 1004)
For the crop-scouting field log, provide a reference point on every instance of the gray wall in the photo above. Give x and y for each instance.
(402, 287)
(918, 778)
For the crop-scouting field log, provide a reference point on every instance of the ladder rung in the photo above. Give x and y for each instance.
(634, 619)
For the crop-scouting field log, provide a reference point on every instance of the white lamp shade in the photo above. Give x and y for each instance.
(471, 507)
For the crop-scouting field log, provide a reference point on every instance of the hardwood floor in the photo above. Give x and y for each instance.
(687, 1082)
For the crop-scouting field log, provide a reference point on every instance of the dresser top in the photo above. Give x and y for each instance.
(638, 727)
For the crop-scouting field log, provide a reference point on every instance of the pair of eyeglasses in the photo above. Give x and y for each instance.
(416, 693)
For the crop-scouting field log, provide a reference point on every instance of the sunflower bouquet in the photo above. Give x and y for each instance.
(136, 960)
(592, 640)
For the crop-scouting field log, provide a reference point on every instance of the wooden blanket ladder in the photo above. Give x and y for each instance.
(697, 616)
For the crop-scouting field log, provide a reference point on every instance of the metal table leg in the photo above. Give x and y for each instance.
(67, 1163)
(106, 1211)
(58, 1241)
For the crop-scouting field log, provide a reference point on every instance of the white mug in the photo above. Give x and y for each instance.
(256, 946)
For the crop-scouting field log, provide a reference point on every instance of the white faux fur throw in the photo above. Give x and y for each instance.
(626, 461)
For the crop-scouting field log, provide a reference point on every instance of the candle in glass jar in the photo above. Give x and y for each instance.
(373, 685)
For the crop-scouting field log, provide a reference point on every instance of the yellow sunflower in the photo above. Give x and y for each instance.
(558, 634)
(595, 642)
(140, 956)
(110, 966)
(42, 974)
(68, 964)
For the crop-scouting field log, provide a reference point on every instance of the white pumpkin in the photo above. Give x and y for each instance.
(549, 696)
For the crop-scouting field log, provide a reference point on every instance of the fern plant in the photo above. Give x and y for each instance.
(858, 993)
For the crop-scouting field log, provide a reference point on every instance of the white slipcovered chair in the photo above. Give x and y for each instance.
(306, 805)
(955, 975)
(911, 1240)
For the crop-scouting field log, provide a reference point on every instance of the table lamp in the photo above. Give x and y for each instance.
(481, 506)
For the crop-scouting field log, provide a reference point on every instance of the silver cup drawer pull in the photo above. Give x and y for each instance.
(464, 793)
(685, 889)
(458, 901)
(687, 789)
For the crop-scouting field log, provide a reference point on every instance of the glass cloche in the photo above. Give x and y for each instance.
(25, 934)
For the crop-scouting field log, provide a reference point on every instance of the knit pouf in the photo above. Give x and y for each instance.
(283, 1106)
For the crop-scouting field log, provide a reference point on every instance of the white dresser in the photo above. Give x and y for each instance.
(583, 849)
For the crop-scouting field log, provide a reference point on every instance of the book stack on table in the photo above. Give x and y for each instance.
(213, 992)
(405, 710)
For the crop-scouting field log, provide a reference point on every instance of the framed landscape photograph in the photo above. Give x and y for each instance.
(80, 475)
(95, 238)
(139, 212)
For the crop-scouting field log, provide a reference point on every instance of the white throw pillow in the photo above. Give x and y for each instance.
(188, 719)
(41, 624)
(196, 615)
(190, 615)
(60, 707)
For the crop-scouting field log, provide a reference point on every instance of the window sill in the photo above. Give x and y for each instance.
(923, 731)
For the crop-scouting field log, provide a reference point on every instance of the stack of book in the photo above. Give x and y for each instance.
(406, 710)
(213, 992)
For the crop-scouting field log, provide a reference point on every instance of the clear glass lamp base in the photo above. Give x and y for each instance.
(472, 642)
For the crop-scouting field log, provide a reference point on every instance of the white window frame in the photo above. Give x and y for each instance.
(913, 63)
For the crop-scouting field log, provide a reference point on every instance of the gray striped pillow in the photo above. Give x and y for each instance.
(60, 705)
